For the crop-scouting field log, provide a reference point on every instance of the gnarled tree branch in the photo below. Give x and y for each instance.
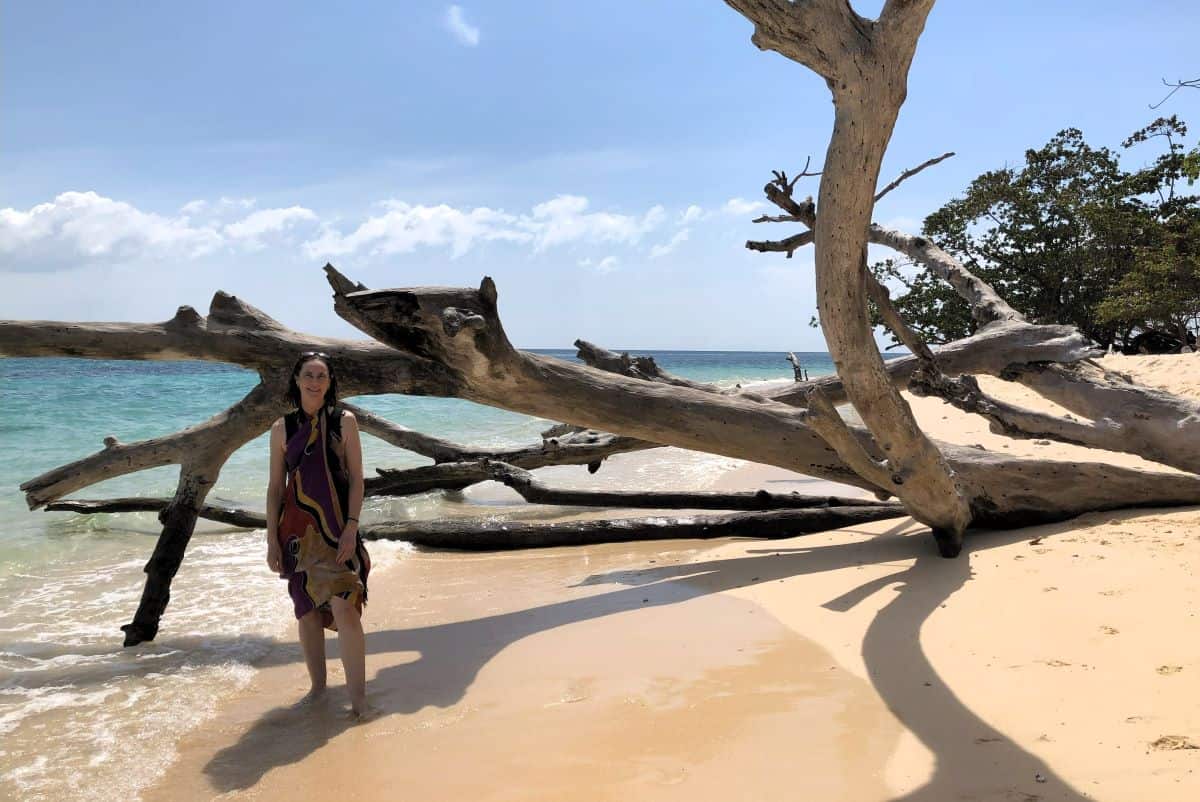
(907, 174)
(812, 33)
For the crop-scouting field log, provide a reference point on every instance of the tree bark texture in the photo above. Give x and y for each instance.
(494, 535)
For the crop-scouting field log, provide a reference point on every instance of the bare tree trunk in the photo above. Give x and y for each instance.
(866, 65)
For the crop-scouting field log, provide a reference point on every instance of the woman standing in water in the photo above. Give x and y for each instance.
(313, 502)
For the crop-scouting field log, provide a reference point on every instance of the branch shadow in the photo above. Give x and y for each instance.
(969, 752)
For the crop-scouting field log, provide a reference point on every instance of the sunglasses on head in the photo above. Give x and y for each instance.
(307, 354)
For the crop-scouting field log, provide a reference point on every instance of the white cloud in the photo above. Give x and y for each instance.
(251, 228)
(222, 208)
(193, 207)
(564, 220)
(662, 249)
(81, 228)
(690, 215)
(908, 225)
(403, 228)
(456, 23)
(741, 206)
(78, 228)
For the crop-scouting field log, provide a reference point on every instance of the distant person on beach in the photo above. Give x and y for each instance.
(314, 499)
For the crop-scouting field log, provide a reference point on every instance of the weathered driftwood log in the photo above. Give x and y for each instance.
(583, 447)
(637, 367)
(495, 535)
(224, 432)
(1003, 490)
(234, 516)
(1126, 417)
(573, 447)
(992, 351)
(816, 513)
(798, 371)
(427, 320)
(537, 492)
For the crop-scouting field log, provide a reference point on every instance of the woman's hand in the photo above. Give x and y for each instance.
(347, 541)
(274, 556)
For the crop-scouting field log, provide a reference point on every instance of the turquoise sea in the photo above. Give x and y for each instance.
(80, 717)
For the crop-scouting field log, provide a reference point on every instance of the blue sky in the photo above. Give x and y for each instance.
(601, 161)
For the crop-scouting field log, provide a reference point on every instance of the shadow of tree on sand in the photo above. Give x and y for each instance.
(969, 752)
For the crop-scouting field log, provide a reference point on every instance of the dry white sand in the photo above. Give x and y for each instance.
(1060, 662)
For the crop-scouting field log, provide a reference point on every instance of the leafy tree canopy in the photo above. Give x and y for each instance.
(1071, 237)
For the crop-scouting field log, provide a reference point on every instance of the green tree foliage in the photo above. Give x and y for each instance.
(1071, 237)
(1163, 289)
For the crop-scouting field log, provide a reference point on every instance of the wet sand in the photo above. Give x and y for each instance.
(557, 674)
(1053, 663)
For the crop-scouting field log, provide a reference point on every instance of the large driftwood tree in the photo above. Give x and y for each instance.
(865, 63)
(450, 342)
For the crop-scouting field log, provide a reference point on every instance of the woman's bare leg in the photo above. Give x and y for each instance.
(312, 643)
(353, 645)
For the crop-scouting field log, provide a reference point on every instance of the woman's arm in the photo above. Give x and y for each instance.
(354, 469)
(275, 498)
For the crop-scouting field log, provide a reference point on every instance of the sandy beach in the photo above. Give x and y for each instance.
(1060, 662)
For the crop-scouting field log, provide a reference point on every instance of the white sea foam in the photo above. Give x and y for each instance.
(755, 385)
(84, 718)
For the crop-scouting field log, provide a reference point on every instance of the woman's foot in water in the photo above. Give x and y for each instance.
(315, 694)
(361, 710)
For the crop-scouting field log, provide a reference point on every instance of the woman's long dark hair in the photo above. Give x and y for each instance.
(293, 390)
